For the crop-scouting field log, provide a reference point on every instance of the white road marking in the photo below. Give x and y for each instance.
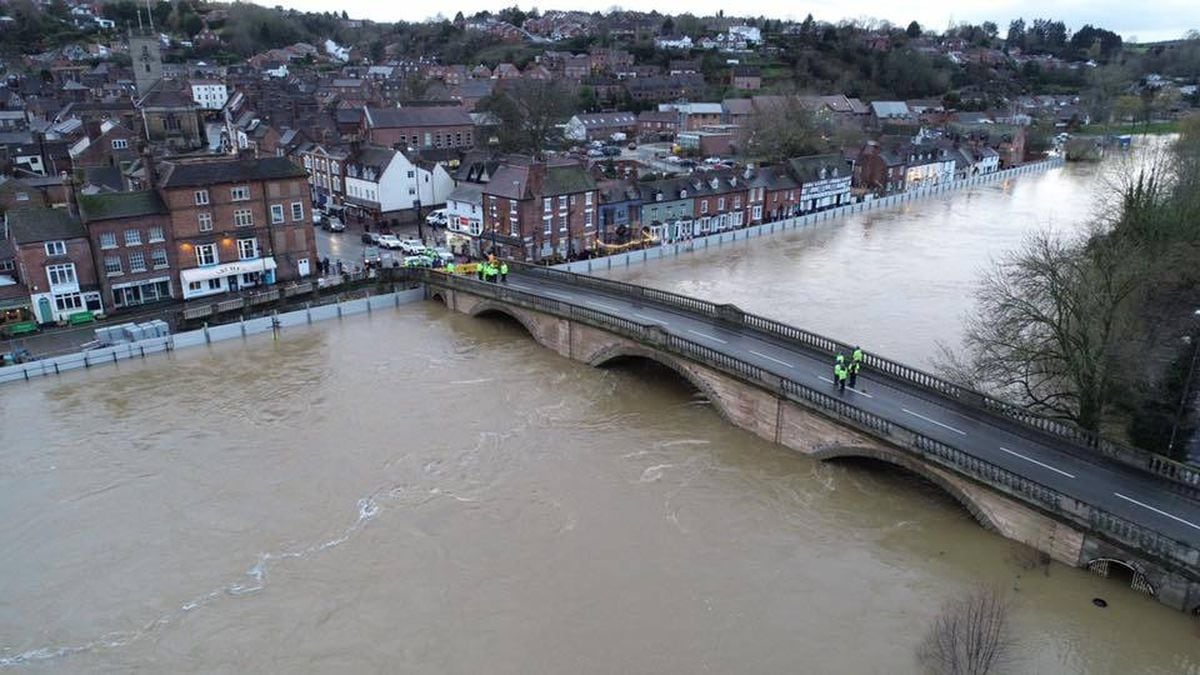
(771, 358)
(601, 305)
(706, 336)
(860, 393)
(651, 319)
(944, 426)
(1161, 513)
(1034, 461)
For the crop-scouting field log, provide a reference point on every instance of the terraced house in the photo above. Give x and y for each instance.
(538, 210)
(132, 246)
(238, 223)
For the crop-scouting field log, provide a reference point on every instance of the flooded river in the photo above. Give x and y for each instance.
(424, 492)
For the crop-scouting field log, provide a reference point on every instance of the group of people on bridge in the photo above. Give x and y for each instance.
(843, 370)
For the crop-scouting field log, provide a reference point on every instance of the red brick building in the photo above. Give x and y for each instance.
(419, 127)
(537, 210)
(132, 246)
(53, 261)
(238, 223)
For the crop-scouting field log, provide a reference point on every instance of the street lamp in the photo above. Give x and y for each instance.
(1187, 385)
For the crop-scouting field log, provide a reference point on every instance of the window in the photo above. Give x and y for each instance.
(587, 199)
(68, 302)
(156, 234)
(547, 222)
(297, 211)
(720, 203)
(333, 166)
(194, 286)
(133, 237)
(61, 275)
(112, 265)
(243, 217)
(240, 193)
(703, 206)
(412, 174)
(737, 202)
(120, 144)
(159, 257)
(247, 248)
(205, 221)
(757, 212)
(201, 197)
(137, 261)
(276, 214)
(214, 284)
(56, 248)
(206, 254)
(587, 218)
(337, 184)
(562, 223)
(562, 203)
(307, 162)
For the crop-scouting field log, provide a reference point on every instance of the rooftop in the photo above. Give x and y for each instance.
(112, 205)
(39, 224)
(197, 174)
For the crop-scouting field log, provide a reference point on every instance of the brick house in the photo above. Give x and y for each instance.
(657, 124)
(53, 260)
(720, 200)
(114, 145)
(238, 223)
(326, 168)
(419, 127)
(879, 170)
(132, 246)
(169, 116)
(746, 78)
(538, 210)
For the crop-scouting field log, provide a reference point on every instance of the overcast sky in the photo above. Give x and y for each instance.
(1148, 20)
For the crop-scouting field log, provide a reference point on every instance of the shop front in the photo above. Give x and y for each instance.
(135, 293)
(227, 277)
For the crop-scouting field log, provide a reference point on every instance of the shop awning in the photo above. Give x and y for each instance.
(227, 270)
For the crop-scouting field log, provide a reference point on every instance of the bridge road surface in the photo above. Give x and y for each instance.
(1124, 491)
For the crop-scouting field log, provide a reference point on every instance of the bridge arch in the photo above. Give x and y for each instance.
(899, 460)
(1113, 567)
(437, 295)
(487, 307)
(618, 351)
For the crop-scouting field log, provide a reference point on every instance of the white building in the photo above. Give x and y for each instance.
(927, 165)
(464, 218)
(824, 181)
(209, 94)
(382, 181)
(750, 34)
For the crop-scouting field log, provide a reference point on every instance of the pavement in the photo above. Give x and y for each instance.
(1121, 490)
(349, 247)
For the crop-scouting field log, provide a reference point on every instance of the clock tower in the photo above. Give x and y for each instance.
(146, 54)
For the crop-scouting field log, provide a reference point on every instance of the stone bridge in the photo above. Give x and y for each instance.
(1030, 482)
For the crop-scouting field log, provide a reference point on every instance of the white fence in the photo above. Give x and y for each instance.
(719, 238)
(206, 335)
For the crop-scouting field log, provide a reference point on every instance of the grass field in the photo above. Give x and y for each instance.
(1153, 128)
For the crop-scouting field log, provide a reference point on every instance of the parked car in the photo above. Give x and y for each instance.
(672, 159)
(418, 261)
(632, 145)
(333, 224)
(389, 241)
(437, 217)
(611, 151)
(410, 246)
(370, 238)
(595, 153)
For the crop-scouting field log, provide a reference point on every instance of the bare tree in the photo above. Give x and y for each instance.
(970, 636)
(529, 112)
(1052, 317)
(781, 128)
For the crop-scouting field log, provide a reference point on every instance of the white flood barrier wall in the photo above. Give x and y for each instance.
(140, 349)
(796, 222)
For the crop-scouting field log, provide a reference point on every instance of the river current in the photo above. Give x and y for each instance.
(420, 491)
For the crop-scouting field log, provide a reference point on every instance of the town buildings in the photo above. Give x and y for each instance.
(539, 210)
(419, 127)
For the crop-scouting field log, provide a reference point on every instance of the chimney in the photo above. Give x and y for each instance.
(149, 166)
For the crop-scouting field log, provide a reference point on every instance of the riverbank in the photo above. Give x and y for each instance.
(203, 336)
(730, 236)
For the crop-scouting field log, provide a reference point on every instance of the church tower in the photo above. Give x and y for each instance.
(147, 60)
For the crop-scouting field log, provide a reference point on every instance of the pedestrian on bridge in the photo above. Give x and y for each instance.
(479, 268)
(840, 360)
(839, 377)
(853, 369)
(503, 272)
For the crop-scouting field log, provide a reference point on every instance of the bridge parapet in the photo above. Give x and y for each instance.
(1168, 551)
(1180, 478)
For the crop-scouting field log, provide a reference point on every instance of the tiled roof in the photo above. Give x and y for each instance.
(229, 171)
(113, 205)
(567, 179)
(391, 118)
(33, 225)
